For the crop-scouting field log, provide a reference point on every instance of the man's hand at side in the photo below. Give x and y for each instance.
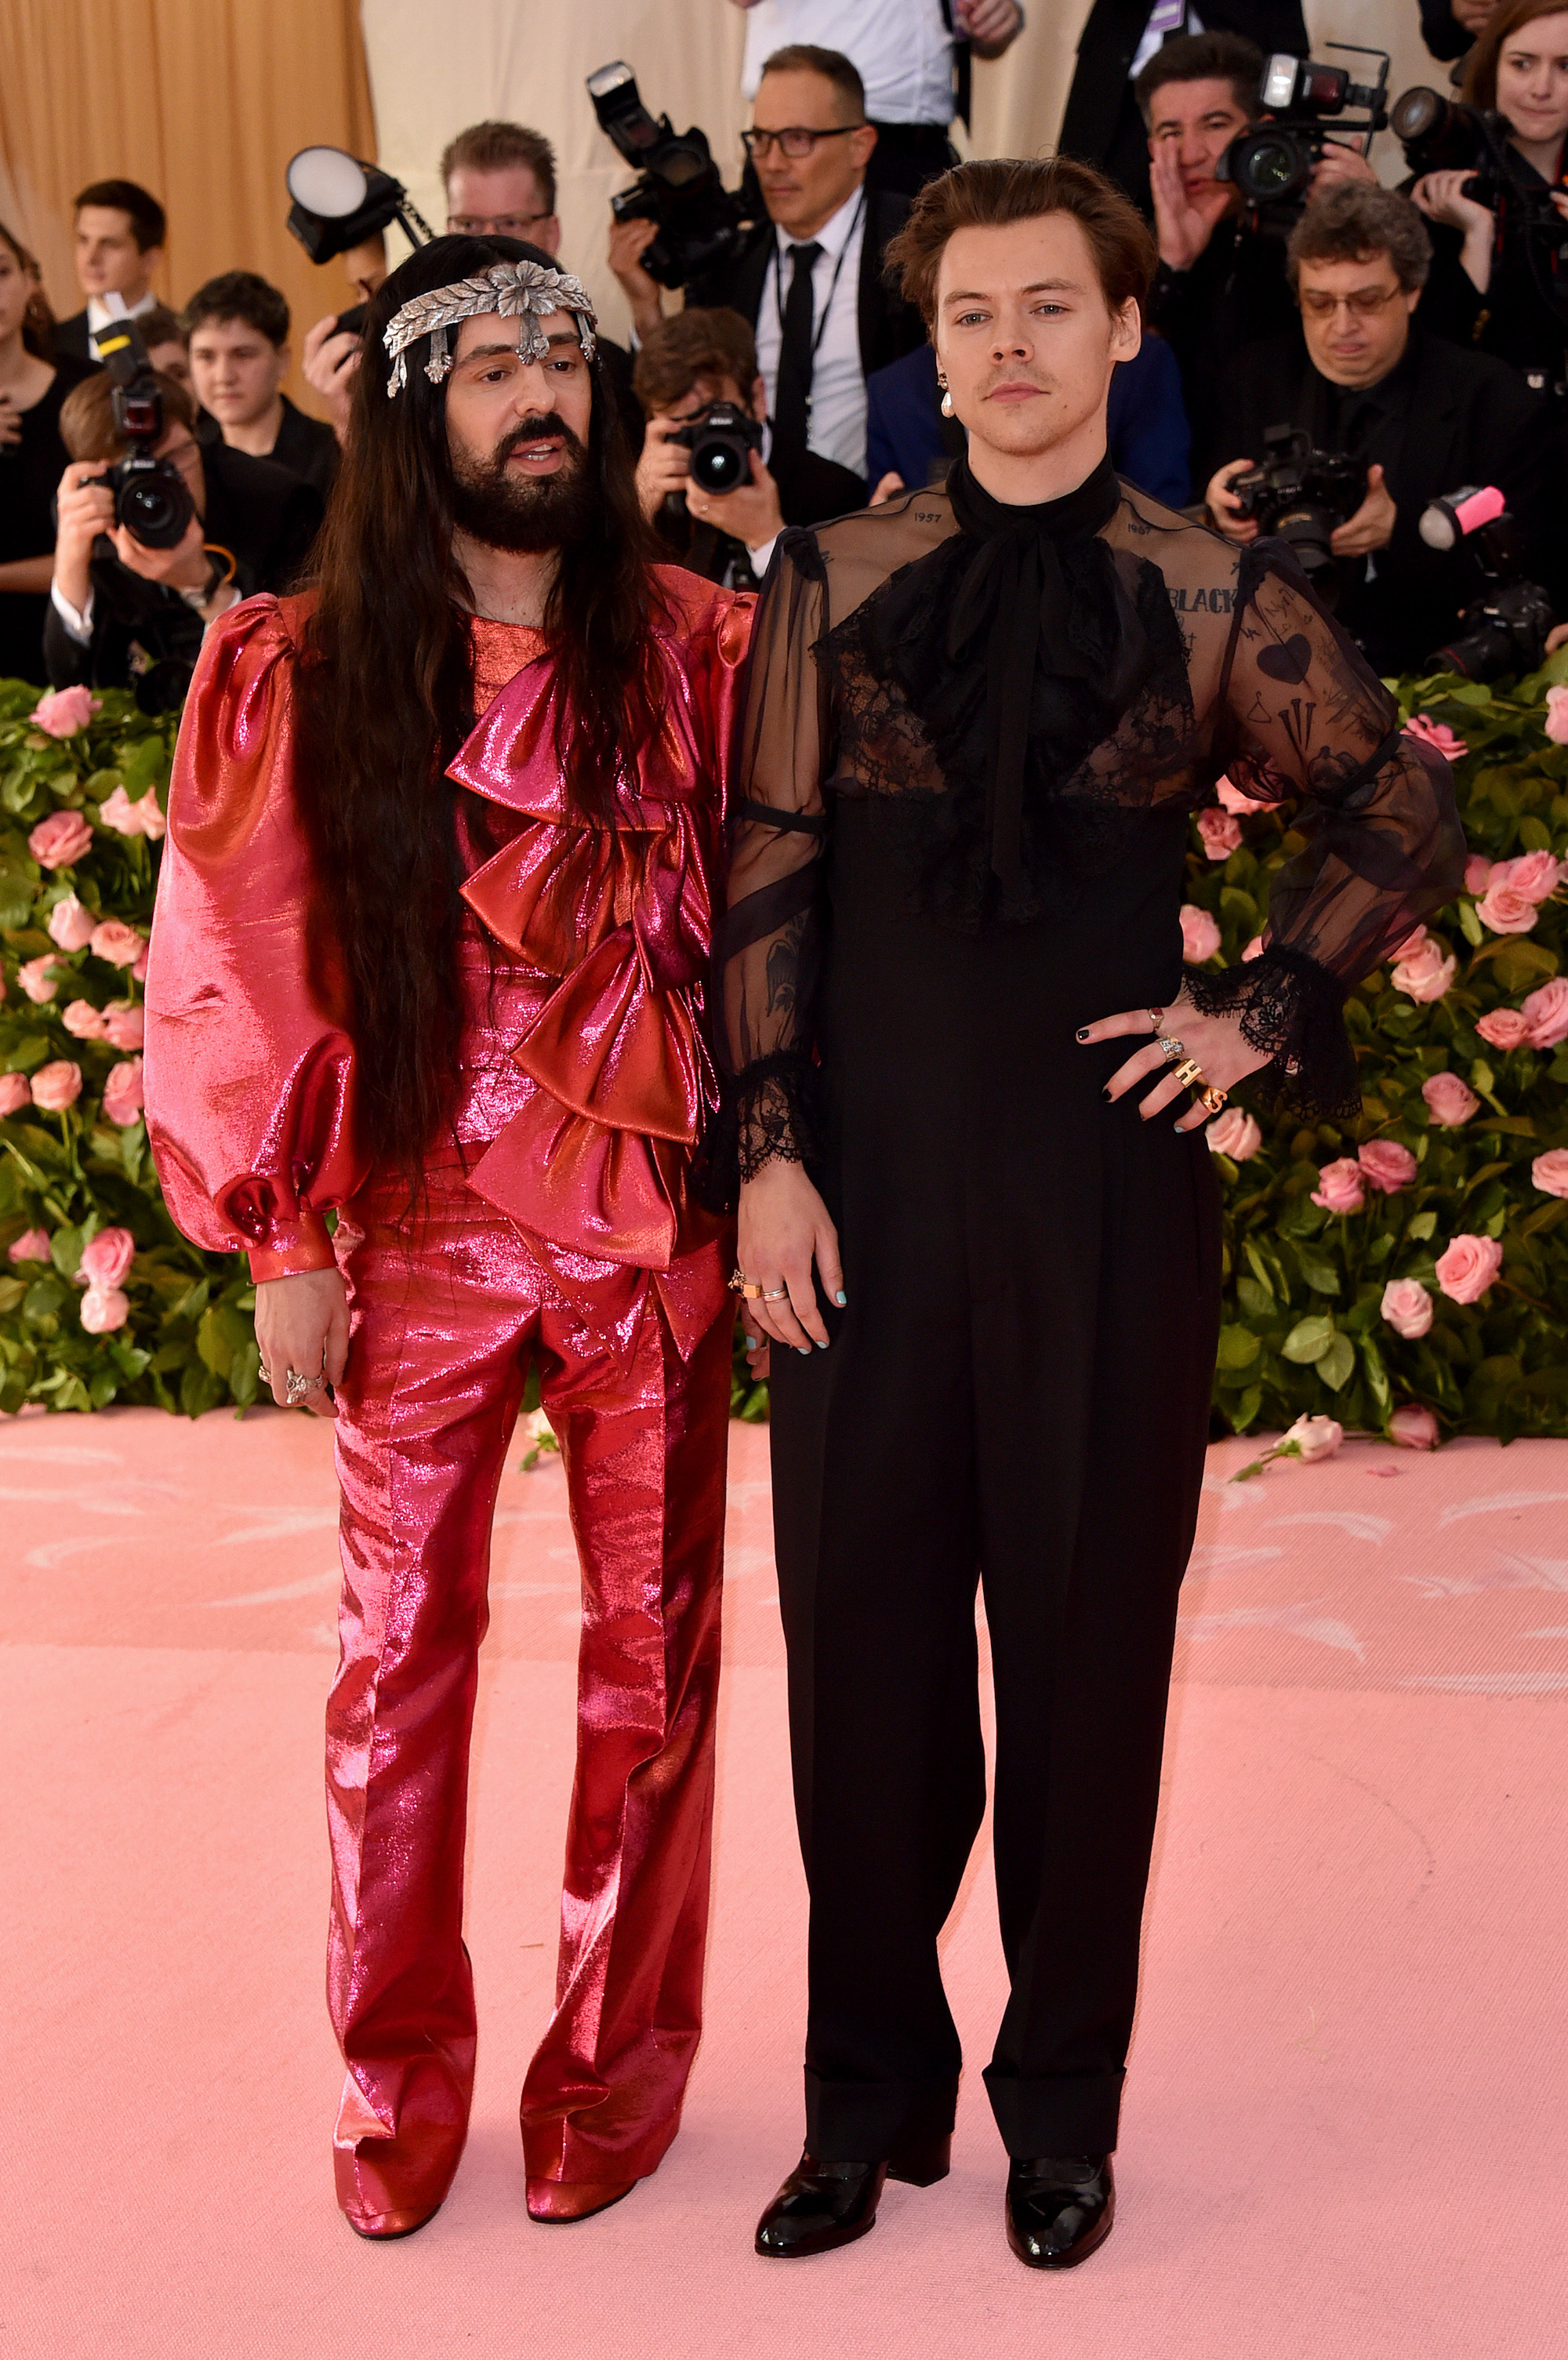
(302, 1323)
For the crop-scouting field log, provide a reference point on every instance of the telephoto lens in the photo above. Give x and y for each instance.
(720, 443)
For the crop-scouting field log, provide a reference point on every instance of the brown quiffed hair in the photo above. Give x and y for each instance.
(87, 425)
(1204, 56)
(805, 57)
(501, 148)
(1480, 84)
(992, 195)
(150, 224)
(1353, 221)
(689, 345)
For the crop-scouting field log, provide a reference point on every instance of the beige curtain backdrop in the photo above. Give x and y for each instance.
(433, 69)
(203, 101)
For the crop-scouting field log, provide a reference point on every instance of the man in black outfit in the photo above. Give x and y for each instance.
(1104, 121)
(1425, 416)
(237, 330)
(690, 365)
(119, 231)
(122, 615)
(810, 282)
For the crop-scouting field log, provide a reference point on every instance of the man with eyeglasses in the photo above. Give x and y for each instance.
(1424, 416)
(809, 282)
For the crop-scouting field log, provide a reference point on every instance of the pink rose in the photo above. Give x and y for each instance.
(1412, 944)
(1477, 873)
(149, 816)
(1549, 1171)
(1502, 1028)
(61, 711)
(1256, 948)
(16, 1092)
(1388, 1165)
(1200, 936)
(1235, 800)
(60, 840)
(103, 1308)
(1341, 1189)
(117, 943)
(38, 980)
(1316, 1438)
(1221, 834)
(1536, 875)
(125, 1024)
(83, 1021)
(1545, 1014)
(57, 1086)
(70, 926)
(1437, 735)
(1406, 1306)
(1468, 1268)
(1424, 974)
(1413, 1428)
(1504, 909)
(139, 972)
(31, 1246)
(122, 1099)
(1236, 1134)
(1556, 722)
(116, 811)
(1449, 1101)
(106, 1257)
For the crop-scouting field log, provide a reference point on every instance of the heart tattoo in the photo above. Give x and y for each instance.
(1292, 660)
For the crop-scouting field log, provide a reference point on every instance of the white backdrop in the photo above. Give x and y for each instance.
(434, 69)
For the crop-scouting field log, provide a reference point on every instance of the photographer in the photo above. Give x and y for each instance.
(119, 233)
(1220, 284)
(237, 329)
(1422, 416)
(1497, 280)
(809, 281)
(690, 365)
(123, 614)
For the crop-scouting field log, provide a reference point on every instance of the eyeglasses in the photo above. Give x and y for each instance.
(491, 225)
(1366, 302)
(797, 141)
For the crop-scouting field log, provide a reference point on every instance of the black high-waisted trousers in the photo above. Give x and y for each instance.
(1016, 1394)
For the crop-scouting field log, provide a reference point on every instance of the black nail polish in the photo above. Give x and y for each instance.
(1082, 1031)
(1106, 1091)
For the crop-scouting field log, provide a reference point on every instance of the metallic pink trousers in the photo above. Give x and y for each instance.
(442, 1336)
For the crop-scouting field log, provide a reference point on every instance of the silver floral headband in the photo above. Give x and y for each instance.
(526, 291)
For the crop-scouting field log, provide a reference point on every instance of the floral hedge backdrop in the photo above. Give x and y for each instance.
(1408, 1275)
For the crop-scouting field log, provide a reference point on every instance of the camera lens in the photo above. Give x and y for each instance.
(153, 502)
(1270, 166)
(719, 463)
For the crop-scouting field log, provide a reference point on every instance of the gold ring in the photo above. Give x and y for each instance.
(1212, 1098)
(1156, 1017)
(741, 1285)
(1169, 1048)
(1189, 1072)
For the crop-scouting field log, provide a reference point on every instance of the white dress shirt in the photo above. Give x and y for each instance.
(836, 425)
(901, 50)
(99, 315)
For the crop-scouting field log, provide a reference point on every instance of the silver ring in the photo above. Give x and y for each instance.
(296, 1387)
(1168, 1048)
(778, 1296)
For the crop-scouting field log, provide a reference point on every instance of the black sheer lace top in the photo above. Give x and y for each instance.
(1024, 688)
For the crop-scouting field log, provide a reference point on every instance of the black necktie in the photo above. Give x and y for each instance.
(792, 396)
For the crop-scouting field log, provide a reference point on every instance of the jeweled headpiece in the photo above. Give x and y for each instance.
(526, 291)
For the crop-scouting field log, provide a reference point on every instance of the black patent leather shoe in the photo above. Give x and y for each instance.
(1058, 2208)
(824, 2204)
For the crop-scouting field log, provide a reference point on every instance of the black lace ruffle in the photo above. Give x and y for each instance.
(1293, 1010)
(766, 1113)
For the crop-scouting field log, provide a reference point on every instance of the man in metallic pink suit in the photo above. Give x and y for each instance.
(432, 926)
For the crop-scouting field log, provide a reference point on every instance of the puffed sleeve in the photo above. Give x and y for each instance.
(249, 1064)
(768, 945)
(1381, 845)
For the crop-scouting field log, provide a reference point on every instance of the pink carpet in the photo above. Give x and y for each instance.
(1343, 2134)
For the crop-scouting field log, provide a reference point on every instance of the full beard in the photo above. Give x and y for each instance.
(525, 514)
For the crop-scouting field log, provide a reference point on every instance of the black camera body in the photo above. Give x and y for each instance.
(1301, 494)
(699, 221)
(721, 443)
(1439, 134)
(1272, 164)
(1504, 631)
(152, 498)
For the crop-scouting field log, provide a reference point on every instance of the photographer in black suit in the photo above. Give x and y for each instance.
(1103, 123)
(124, 614)
(690, 365)
(1422, 416)
(810, 282)
(118, 230)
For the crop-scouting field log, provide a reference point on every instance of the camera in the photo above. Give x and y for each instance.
(700, 221)
(152, 499)
(338, 203)
(721, 443)
(1506, 628)
(1301, 496)
(1272, 163)
(1438, 134)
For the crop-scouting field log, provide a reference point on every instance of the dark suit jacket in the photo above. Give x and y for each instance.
(1234, 295)
(1444, 35)
(254, 507)
(306, 446)
(71, 337)
(888, 326)
(1454, 418)
(1109, 43)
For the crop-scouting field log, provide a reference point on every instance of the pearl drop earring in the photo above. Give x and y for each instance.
(946, 397)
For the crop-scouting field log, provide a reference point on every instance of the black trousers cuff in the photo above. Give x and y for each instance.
(864, 2122)
(1060, 2113)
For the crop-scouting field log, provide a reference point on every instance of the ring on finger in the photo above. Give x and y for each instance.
(1210, 1097)
(1156, 1018)
(1190, 1074)
(775, 1294)
(1171, 1048)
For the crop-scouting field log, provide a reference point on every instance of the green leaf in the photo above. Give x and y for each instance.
(1335, 1364)
(1309, 1340)
(1321, 1275)
(1237, 1348)
(1376, 1375)
(1247, 1408)
(1422, 1226)
(1470, 925)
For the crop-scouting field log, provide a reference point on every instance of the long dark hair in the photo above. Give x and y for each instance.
(38, 319)
(383, 698)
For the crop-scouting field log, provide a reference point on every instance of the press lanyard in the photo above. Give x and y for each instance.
(833, 291)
